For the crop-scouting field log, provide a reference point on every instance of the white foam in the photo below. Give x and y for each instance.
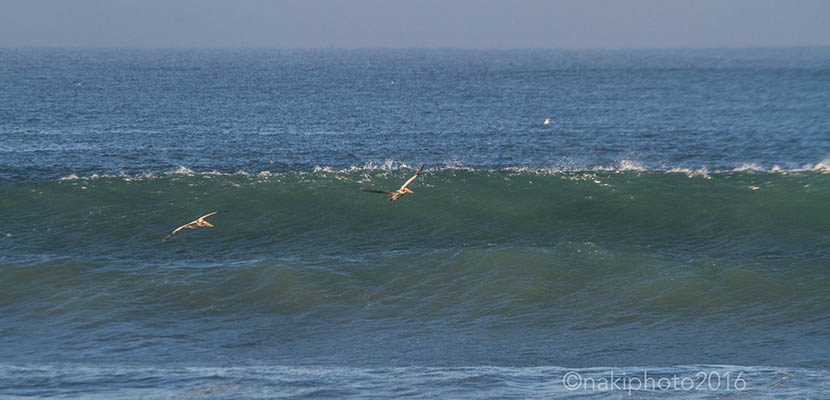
(748, 167)
(623, 165)
(822, 166)
(389, 165)
(71, 177)
(385, 166)
(691, 173)
(182, 170)
(631, 165)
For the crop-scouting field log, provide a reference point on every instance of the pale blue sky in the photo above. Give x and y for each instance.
(485, 24)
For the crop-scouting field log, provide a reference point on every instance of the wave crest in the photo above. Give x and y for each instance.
(622, 166)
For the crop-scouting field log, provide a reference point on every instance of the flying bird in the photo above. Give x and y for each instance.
(397, 194)
(194, 224)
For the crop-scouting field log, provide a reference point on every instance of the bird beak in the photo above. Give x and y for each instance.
(208, 224)
(409, 191)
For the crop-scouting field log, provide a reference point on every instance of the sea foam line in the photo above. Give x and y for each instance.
(623, 166)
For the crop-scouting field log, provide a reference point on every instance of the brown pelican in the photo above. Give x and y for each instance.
(194, 224)
(397, 194)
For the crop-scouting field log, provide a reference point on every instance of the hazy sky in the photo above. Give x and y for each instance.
(414, 23)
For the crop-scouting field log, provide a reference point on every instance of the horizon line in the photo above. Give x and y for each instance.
(429, 48)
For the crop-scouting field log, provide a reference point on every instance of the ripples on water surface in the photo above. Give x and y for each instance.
(671, 219)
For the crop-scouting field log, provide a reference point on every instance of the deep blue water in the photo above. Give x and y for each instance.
(669, 220)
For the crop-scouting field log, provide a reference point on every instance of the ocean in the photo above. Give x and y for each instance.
(663, 235)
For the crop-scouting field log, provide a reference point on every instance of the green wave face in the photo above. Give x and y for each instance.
(688, 255)
(736, 213)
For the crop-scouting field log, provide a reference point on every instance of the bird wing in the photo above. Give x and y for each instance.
(377, 191)
(209, 214)
(413, 177)
(175, 231)
(192, 224)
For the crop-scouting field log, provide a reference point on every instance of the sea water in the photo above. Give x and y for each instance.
(664, 235)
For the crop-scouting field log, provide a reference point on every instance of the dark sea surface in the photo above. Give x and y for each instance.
(671, 222)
